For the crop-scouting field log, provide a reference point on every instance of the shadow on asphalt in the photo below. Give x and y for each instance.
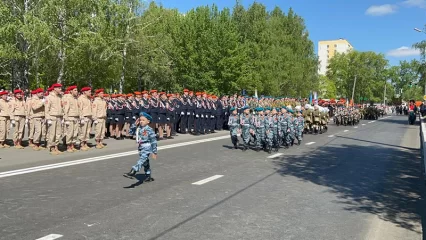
(380, 180)
(397, 120)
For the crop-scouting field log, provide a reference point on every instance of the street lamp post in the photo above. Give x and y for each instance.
(353, 90)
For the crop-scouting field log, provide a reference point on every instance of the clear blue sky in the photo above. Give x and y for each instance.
(384, 26)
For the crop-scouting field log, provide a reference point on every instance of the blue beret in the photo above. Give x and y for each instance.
(259, 109)
(146, 115)
(245, 107)
(290, 110)
(278, 109)
(268, 108)
(232, 109)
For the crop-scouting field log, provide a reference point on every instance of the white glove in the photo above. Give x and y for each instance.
(182, 113)
(196, 115)
(82, 121)
(13, 122)
(49, 122)
(26, 121)
(67, 123)
(95, 122)
(188, 113)
(62, 122)
(134, 117)
(116, 119)
(168, 119)
(43, 100)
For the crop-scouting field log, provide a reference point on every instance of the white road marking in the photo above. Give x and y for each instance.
(363, 124)
(310, 143)
(355, 127)
(50, 237)
(201, 182)
(100, 158)
(346, 131)
(276, 155)
(373, 121)
(369, 122)
(331, 136)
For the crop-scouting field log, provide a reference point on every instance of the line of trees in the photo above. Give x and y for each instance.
(124, 45)
(375, 78)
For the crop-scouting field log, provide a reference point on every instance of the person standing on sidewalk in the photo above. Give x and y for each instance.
(54, 116)
(85, 110)
(99, 107)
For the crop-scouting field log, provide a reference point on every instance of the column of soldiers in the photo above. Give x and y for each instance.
(270, 128)
(53, 116)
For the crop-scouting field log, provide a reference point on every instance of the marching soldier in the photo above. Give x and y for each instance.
(18, 117)
(71, 118)
(85, 110)
(5, 109)
(54, 116)
(99, 108)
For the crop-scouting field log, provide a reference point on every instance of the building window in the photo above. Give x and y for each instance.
(335, 51)
(328, 46)
(335, 45)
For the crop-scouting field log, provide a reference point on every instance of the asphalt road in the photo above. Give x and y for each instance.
(350, 183)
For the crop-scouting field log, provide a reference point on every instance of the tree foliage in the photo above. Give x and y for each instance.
(125, 45)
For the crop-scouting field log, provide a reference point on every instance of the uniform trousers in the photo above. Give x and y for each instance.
(100, 129)
(4, 126)
(39, 129)
(54, 131)
(71, 130)
(18, 131)
(85, 129)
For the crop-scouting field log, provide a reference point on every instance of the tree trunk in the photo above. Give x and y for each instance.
(62, 51)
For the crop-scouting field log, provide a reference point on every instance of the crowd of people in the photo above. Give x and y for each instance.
(68, 116)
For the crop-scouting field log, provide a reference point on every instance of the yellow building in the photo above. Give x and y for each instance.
(327, 49)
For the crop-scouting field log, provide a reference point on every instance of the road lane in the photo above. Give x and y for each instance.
(299, 195)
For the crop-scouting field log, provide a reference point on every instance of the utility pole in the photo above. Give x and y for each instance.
(353, 90)
(384, 96)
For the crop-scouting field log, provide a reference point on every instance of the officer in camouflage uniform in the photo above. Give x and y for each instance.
(245, 120)
(259, 128)
(234, 127)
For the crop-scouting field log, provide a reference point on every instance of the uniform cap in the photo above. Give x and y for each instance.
(67, 92)
(84, 89)
(191, 92)
(153, 91)
(198, 93)
(17, 91)
(145, 92)
(146, 115)
(185, 90)
(70, 88)
(101, 90)
(232, 109)
(56, 85)
(162, 93)
(3, 93)
(137, 93)
(129, 95)
(169, 95)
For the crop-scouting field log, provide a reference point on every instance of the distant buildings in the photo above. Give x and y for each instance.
(327, 49)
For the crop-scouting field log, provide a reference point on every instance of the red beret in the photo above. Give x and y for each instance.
(67, 91)
(86, 89)
(99, 90)
(153, 91)
(162, 93)
(50, 89)
(169, 95)
(46, 93)
(3, 93)
(137, 93)
(145, 92)
(70, 88)
(56, 85)
(17, 91)
(185, 90)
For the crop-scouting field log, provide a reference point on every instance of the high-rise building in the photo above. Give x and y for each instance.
(327, 49)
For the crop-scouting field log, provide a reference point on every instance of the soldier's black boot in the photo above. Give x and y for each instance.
(257, 149)
(277, 148)
(299, 142)
(149, 178)
(269, 149)
(130, 174)
(235, 146)
(245, 147)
